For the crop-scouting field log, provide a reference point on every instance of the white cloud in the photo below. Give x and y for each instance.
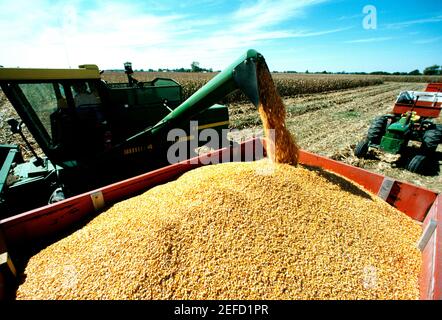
(266, 13)
(57, 34)
(254, 24)
(60, 35)
(317, 33)
(428, 41)
(355, 16)
(368, 40)
(405, 24)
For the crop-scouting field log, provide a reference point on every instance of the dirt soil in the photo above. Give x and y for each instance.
(331, 124)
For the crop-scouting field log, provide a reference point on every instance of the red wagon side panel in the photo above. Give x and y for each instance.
(423, 109)
(412, 200)
(437, 294)
(431, 275)
(434, 87)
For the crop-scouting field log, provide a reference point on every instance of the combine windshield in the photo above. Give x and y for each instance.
(65, 114)
(45, 99)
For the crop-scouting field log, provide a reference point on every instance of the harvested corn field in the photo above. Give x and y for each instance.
(236, 231)
(331, 124)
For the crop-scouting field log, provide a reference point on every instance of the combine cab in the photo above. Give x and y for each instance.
(412, 119)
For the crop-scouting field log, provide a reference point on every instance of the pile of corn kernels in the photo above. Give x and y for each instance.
(252, 230)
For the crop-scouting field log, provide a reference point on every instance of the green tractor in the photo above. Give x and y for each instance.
(412, 119)
(94, 133)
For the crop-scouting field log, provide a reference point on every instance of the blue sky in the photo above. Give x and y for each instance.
(292, 34)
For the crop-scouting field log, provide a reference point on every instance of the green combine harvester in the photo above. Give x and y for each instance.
(95, 133)
(412, 119)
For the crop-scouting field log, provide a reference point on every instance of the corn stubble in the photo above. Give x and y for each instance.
(255, 230)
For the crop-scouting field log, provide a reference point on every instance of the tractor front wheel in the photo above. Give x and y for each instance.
(361, 149)
(377, 129)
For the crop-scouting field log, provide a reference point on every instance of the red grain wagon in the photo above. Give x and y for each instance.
(24, 231)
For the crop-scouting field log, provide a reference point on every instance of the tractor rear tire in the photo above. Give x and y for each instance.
(424, 165)
(431, 139)
(361, 149)
(377, 130)
(417, 164)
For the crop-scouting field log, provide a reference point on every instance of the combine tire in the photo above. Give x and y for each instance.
(431, 139)
(424, 165)
(361, 149)
(377, 129)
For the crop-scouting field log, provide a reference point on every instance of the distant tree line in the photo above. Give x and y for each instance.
(195, 67)
(429, 71)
